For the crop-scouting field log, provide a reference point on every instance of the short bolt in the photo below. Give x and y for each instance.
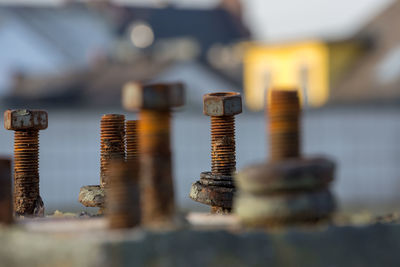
(112, 143)
(216, 188)
(154, 103)
(6, 202)
(123, 197)
(284, 125)
(26, 124)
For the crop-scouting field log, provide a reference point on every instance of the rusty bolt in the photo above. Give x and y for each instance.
(288, 188)
(6, 206)
(112, 142)
(216, 188)
(26, 124)
(123, 197)
(154, 103)
(222, 107)
(284, 125)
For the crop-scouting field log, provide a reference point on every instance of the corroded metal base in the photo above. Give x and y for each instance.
(214, 190)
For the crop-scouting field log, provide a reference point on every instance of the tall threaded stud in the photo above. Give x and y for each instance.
(216, 188)
(112, 139)
(26, 124)
(284, 125)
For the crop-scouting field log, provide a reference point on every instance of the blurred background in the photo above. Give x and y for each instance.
(72, 58)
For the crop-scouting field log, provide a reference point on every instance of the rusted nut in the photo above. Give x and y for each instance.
(267, 210)
(222, 104)
(209, 175)
(216, 196)
(207, 178)
(92, 196)
(24, 119)
(286, 175)
(154, 96)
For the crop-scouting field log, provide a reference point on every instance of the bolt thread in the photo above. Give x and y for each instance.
(26, 171)
(156, 166)
(284, 125)
(131, 140)
(223, 155)
(123, 197)
(112, 143)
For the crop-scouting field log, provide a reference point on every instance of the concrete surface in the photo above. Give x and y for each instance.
(204, 241)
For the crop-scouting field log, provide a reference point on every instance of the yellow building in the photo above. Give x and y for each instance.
(311, 66)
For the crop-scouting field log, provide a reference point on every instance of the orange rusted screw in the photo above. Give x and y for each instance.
(154, 103)
(112, 138)
(26, 124)
(216, 188)
(6, 206)
(284, 125)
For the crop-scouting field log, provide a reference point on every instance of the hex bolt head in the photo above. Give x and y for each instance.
(222, 104)
(26, 124)
(161, 96)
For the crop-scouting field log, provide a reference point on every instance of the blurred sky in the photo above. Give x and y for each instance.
(283, 19)
(291, 19)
